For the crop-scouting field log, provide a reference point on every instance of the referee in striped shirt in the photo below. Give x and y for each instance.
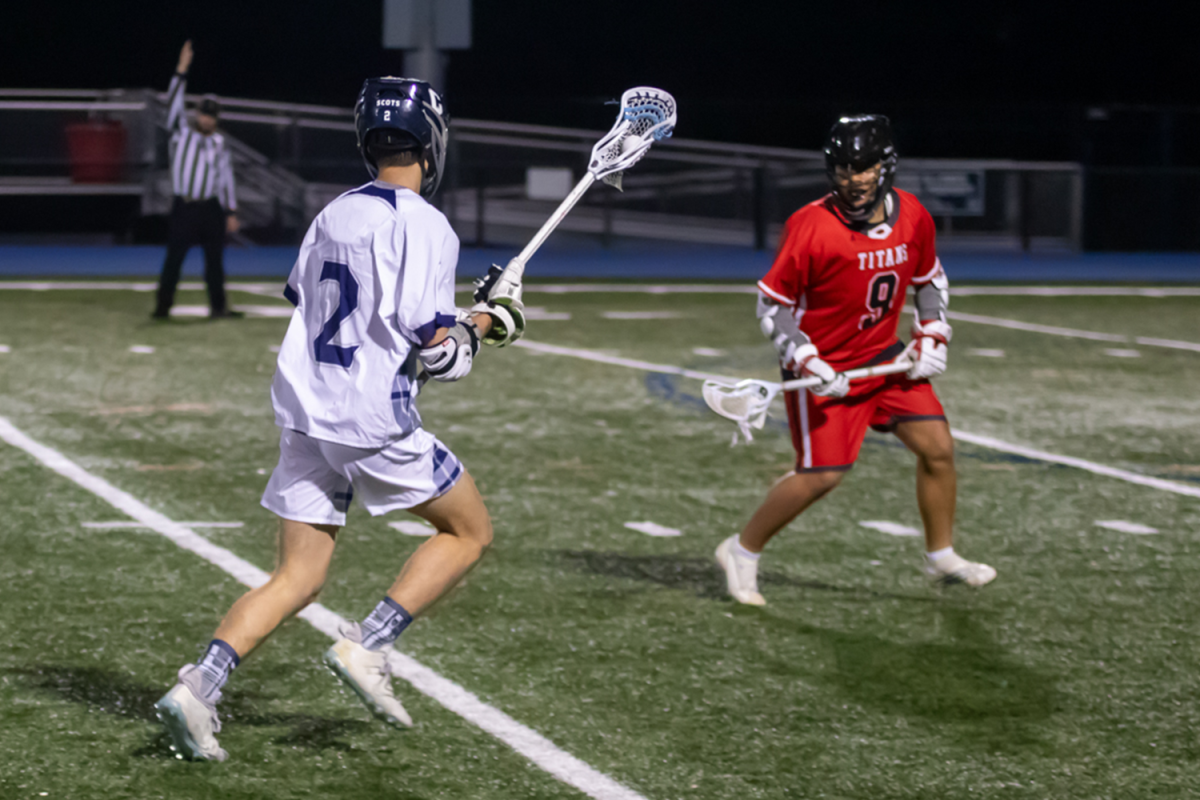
(205, 205)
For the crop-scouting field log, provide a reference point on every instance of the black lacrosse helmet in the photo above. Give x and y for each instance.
(861, 142)
(403, 114)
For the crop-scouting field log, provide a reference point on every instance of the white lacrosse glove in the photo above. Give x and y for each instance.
(928, 349)
(806, 362)
(451, 358)
(498, 295)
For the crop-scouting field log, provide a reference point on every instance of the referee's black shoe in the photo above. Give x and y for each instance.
(227, 314)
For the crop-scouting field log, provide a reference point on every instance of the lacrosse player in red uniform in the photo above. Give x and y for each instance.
(831, 302)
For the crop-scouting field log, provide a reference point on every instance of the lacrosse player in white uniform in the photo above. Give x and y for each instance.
(373, 288)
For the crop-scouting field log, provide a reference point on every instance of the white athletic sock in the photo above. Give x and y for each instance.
(743, 552)
(937, 555)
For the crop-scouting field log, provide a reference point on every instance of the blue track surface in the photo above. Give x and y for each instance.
(647, 262)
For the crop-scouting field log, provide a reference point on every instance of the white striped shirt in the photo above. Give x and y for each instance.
(200, 165)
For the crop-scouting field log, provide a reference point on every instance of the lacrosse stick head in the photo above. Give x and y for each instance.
(647, 116)
(745, 403)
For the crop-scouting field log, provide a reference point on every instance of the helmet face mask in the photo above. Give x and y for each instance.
(857, 189)
(860, 161)
(403, 114)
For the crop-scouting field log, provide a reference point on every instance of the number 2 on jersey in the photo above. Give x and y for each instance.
(880, 293)
(325, 352)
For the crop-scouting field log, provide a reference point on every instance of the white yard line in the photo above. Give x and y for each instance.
(982, 441)
(1078, 463)
(653, 529)
(1033, 327)
(666, 288)
(112, 526)
(631, 288)
(411, 527)
(617, 361)
(538, 749)
(1173, 343)
(890, 528)
(273, 290)
(1077, 291)
(1125, 526)
(133, 286)
(640, 314)
(1071, 333)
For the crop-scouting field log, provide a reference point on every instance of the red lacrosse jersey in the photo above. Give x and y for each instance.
(846, 287)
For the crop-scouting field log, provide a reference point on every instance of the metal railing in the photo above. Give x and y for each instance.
(291, 159)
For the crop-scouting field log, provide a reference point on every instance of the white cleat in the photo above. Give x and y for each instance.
(741, 574)
(190, 722)
(367, 672)
(953, 568)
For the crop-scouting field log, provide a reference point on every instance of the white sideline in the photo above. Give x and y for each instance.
(537, 748)
(1071, 333)
(982, 441)
(121, 525)
(1078, 463)
(664, 288)
(659, 289)
(604, 358)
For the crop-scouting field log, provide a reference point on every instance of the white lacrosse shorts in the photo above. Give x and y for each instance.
(315, 480)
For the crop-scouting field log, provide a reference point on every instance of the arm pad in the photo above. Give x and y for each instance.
(451, 358)
(781, 327)
(933, 298)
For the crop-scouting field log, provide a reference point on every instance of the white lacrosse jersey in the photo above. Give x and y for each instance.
(372, 284)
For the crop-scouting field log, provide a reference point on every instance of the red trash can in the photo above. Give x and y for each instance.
(96, 151)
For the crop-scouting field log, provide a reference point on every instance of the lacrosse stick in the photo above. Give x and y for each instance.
(746, 402)
(647, 116)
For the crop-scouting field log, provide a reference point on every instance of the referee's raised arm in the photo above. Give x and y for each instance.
(175, 112)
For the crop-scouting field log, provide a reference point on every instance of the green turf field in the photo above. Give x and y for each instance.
(1075, 675)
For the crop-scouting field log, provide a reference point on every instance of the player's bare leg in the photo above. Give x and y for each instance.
(359, 658)
(189, 709)
(937, 497)
(937, 480)
(304, 553)
(787, 499)
(464, 530)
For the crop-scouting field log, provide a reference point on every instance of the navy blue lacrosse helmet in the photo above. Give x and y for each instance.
(861, 142)
(403, 114)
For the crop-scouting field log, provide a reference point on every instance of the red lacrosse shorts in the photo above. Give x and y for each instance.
(827, 432)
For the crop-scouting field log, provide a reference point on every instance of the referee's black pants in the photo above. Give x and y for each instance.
(194, 222)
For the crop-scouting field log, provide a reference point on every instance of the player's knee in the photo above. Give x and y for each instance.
(480, 532)
(302, 586)
(827, 480)
(938, 455)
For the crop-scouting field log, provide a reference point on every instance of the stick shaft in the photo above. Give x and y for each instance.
(518, 263)
(866, 372)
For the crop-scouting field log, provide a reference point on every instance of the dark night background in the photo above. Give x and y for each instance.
(1104, 84)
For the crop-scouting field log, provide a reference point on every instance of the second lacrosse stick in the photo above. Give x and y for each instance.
(746, 402)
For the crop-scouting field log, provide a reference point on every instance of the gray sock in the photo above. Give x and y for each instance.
(384, 625)
(212, 670)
